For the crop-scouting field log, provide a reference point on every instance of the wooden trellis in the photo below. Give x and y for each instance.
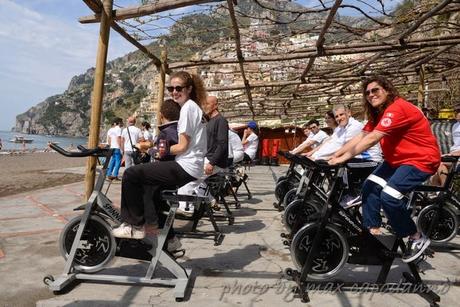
(278, 79)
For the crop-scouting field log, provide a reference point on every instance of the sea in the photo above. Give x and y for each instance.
(40, 142)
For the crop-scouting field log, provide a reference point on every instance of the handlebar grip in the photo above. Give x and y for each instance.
(451, 159)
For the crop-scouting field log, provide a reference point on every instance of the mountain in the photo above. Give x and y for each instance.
(130, 79)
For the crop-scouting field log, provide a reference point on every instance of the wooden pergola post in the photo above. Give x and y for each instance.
(161, 85)
(98, 92)
(421, 87)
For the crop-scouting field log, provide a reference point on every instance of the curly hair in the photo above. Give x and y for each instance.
(198, 93)
(371, 112)
(170, 110)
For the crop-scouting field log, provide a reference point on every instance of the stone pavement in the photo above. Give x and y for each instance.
(246, 270)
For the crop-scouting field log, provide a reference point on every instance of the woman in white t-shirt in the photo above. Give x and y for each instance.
(250, 141)
(142, 184)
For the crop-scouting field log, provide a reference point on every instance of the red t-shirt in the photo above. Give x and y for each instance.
(408, 138)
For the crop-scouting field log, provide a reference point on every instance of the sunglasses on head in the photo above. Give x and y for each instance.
(374, 90)
(177, 88)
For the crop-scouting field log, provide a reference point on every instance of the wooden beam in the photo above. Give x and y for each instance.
(96, 5)
(147, 9)
(421, 87)
(321, 38)
(329, 51)
(98, 92)
(239, 53)
(431, 56)
(319, 80)
(161, 86)
(422, 19)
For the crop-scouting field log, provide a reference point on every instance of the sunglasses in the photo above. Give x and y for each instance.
(177, 88)
(374, 90)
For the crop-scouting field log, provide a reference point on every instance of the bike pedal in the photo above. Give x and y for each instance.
(179, 253)
(429, 252)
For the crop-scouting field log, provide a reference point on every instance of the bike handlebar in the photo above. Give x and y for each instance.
(83, 151)
(320, 164)
(451, 159)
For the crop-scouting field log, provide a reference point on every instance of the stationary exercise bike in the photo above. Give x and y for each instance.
(438, 217)
(322, 247)
(88, 246)
(287, 182)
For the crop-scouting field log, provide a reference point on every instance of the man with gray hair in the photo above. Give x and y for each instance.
(347, 129)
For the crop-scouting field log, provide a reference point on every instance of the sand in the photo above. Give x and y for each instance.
(26, 171)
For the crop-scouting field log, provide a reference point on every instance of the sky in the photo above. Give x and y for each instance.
(42, 46)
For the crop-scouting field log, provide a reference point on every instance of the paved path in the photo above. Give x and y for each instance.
(246, 270)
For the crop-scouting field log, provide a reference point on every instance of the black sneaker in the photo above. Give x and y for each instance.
(415, 248)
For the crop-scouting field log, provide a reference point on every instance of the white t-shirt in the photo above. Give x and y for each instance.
(113, 135)
(190, 123)
(250, 148)
(319, 138)
(455, 137)
(235, 148)
(135, 134)
(341, 136)
(148, 136)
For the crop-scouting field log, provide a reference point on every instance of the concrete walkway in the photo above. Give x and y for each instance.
(246, 270)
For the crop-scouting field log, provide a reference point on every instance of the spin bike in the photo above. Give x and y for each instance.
(88, 246)
(287, 182)
(322, 247)
(438, 217)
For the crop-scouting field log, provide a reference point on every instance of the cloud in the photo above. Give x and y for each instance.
(43, 49)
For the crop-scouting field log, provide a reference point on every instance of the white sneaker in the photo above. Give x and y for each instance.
(174, 244)
(127, 231)
(184, 212)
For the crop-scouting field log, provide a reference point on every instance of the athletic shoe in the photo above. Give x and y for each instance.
(187, 213)
(415, 248)
(174, 244)
(127, 231)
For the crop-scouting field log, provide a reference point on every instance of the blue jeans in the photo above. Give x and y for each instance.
(114, 164)
(385, 189)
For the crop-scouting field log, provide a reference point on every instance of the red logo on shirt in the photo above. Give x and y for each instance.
(386, 122)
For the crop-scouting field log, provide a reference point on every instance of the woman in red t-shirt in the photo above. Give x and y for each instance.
(411, 155)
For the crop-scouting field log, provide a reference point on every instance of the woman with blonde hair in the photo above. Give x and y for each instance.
(142, 184)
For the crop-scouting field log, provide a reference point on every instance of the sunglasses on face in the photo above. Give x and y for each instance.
(177, 88)
(373, 91)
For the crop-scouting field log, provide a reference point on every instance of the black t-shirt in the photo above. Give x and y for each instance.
(217, 141)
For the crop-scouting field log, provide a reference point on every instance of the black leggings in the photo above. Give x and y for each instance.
(141, 190)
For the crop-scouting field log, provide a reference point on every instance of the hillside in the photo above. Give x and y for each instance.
(129, 79)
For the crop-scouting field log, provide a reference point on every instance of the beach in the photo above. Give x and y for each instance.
(22, 172)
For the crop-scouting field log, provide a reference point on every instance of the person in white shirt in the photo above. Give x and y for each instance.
(316, 138)
(250, 141)
(235, 148)
(455, 148)
(440, 177)
(129, 140)
(146, 133)
(114, 141)
(142, 184)
(347, 128)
